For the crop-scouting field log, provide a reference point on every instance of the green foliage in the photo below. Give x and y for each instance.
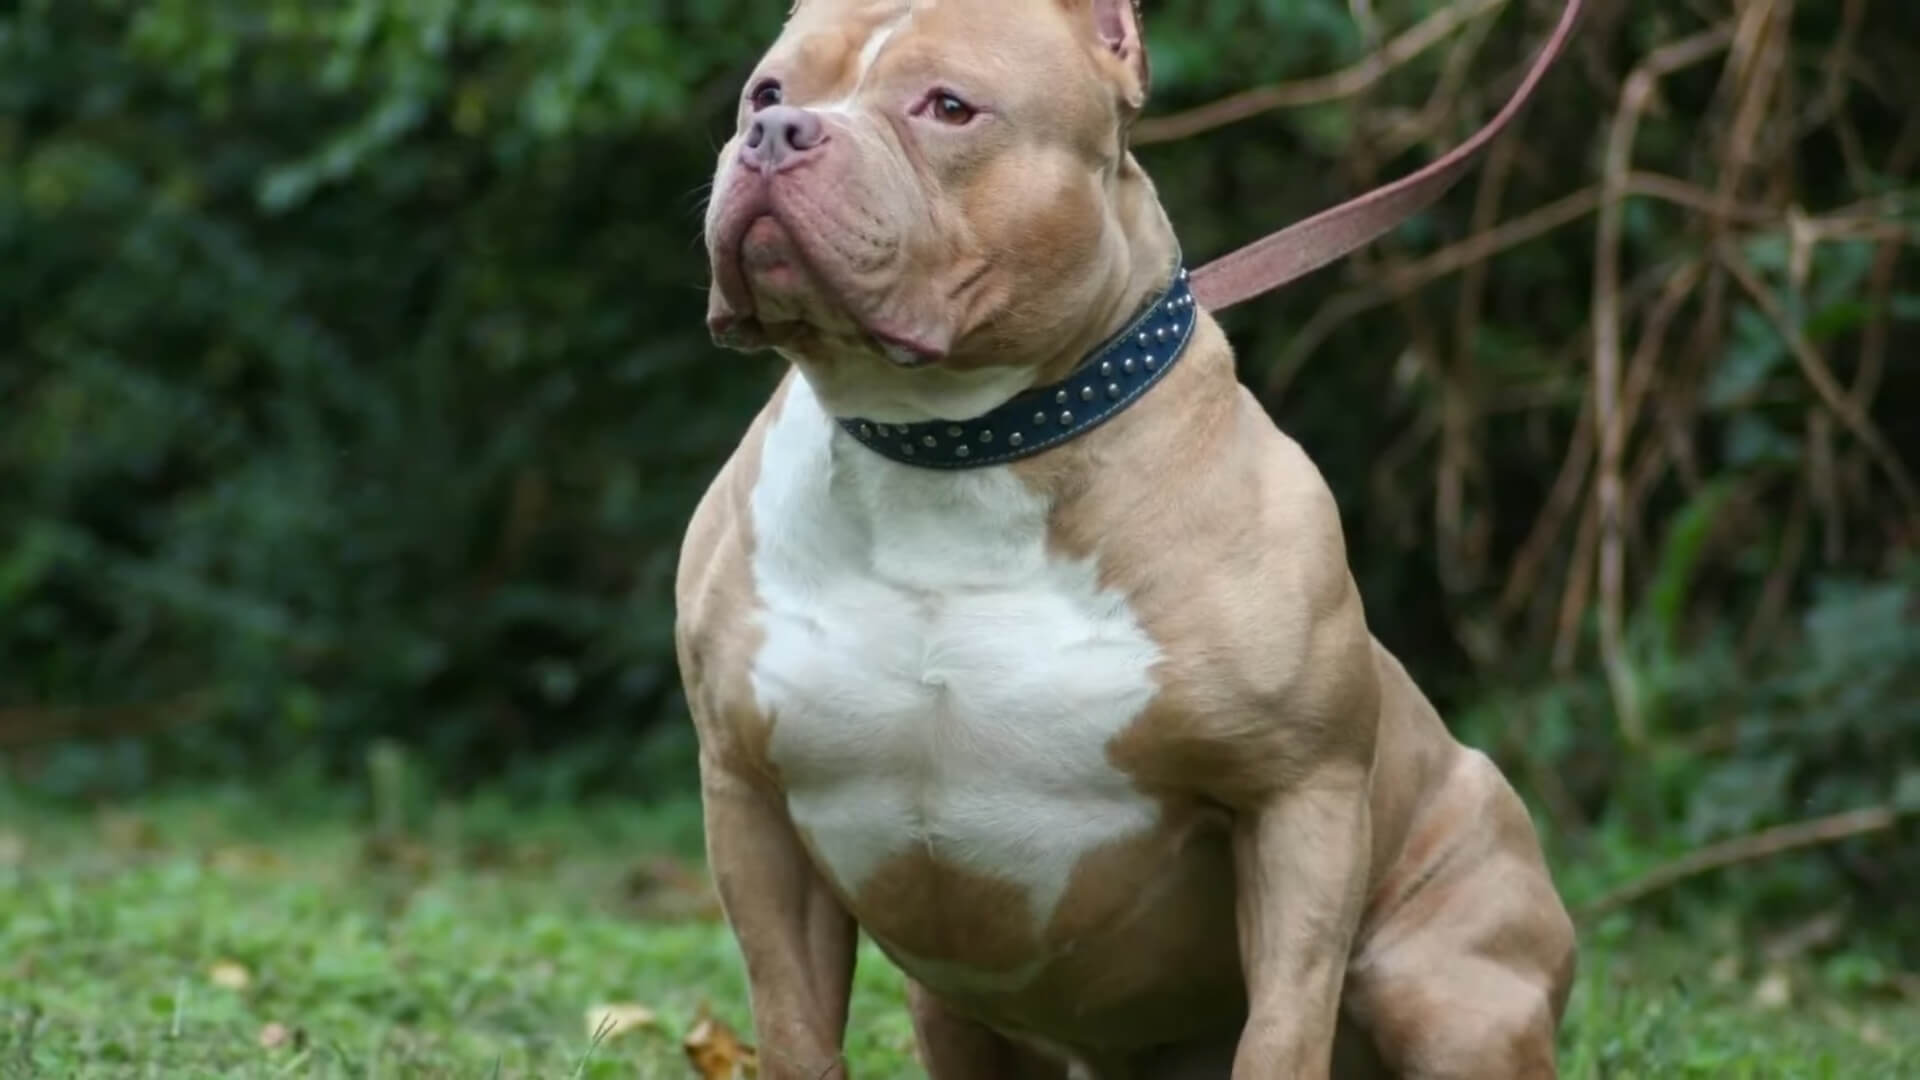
(353, 386)
(1825, 725)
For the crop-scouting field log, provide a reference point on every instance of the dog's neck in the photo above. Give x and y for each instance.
(1115, 376)
(1139, 251)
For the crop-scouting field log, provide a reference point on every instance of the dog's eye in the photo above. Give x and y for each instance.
(765, 96)
(949, 109)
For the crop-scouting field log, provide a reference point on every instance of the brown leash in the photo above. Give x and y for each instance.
(1299, 249)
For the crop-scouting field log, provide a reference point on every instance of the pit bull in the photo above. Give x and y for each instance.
(1018, 637)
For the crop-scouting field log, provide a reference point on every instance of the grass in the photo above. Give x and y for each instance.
(217, 936)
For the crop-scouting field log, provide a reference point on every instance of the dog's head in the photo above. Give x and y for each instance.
(935, 195)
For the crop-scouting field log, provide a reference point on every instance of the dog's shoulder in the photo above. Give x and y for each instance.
(714, 632)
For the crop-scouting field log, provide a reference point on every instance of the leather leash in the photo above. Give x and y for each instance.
(1301, 248)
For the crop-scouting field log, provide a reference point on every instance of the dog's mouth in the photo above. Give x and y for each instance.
(771, 290)
(748, 333)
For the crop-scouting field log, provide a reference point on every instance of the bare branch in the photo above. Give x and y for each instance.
(1841, 404)
(1742, 849)
(1634, 100)
(1344, 83)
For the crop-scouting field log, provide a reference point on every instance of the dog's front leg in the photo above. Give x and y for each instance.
(796, 938)
(1301, 865)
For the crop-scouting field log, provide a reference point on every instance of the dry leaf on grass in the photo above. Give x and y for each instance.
(245, 859)
(608, 1022)
(1815, 933)
(494, 854)
(13, 848)
(717, 1053)
(387, 851)
(127, 832)
(275, 1035)
(230, 976)
(1774, 992)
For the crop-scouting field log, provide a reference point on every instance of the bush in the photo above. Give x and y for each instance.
(356, 392)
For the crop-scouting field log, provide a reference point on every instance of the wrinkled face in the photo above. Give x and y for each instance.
(922, 184)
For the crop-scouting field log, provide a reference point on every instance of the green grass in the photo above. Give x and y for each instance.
(475, 946)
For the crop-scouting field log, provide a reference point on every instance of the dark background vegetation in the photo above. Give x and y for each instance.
(354, 391)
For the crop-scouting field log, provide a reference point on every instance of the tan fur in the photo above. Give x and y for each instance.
(1335, 886)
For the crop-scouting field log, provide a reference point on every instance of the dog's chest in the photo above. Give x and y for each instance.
(938, 682)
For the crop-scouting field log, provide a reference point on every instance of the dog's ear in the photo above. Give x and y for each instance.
(1117, 27)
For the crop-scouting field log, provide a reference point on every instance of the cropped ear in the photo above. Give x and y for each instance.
(1117, 28)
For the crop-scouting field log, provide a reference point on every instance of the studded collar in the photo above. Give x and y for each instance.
(1107, 381)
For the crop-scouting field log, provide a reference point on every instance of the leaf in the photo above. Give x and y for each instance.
(1755, 352)
(665, 888)
(1774, 992)
(245, 859)
(608, 1022)
(717, 1053)
(128, 832)
(230, 975)
(1848, 623)
(1680, 552)
(1752, 439)
(1836, 319)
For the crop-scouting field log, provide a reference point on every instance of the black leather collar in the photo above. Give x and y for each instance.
(1109, 380)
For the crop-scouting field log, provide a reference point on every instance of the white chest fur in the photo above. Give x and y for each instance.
(937, 679)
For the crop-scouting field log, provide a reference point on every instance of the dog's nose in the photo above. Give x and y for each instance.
(780, 136)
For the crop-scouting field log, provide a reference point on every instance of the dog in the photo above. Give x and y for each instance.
(1017, 636)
